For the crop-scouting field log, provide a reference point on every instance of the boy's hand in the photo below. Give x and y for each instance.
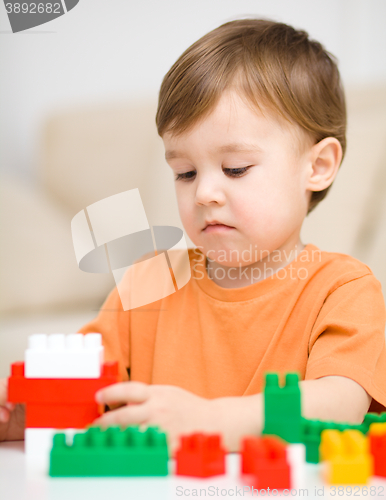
(177, 411)
(173, 409)
(12, 418)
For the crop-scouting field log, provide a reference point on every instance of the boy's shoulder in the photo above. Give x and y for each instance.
(323, 258)
(332, 269)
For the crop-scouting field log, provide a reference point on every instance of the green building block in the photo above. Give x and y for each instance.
(312, 430)
(371, 418)
(282, 407)
(112, 452)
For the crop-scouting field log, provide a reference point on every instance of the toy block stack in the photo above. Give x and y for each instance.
(283, 418)
(282, 407)
(351, 453)
(312, 431)
(112, 452)
(57, 382)
(347, 457)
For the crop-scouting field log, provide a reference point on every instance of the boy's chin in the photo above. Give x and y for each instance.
(230, 263)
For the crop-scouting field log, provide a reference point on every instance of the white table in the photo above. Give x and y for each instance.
(22, 479)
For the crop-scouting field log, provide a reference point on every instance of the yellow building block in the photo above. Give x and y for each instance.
(347, 457)
(331, 444)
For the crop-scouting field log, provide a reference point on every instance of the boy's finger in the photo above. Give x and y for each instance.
(4, 415)
(124, 416)
(124, 392)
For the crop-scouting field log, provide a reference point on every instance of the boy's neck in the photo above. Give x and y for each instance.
(242, 276)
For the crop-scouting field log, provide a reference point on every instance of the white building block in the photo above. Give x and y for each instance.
(296, 457)
(64, 356)
(38, 441)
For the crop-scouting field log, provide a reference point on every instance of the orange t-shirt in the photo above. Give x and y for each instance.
(323, 314)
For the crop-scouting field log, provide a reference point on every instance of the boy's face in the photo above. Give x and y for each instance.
(243, 170)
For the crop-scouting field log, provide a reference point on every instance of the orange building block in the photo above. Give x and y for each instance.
(264, 461)
(200, 455)
(59, 403)
(377, 437)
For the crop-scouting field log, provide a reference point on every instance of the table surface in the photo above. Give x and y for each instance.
(27, 479)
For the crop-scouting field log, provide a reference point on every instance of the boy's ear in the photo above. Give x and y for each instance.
(326, 156)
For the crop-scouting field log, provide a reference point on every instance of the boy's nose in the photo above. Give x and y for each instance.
(209, 191)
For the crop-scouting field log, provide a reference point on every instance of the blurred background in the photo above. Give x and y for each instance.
(78, 99)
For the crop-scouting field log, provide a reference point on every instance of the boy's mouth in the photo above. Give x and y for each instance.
(216, 226)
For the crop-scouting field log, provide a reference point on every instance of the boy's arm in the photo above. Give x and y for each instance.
(327, 398)
(178, 411)
(334, 398)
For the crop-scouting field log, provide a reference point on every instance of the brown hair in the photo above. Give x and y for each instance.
(271, 64)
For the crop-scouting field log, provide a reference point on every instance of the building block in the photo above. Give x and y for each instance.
(250, 449)
(110, 452)
(282, 408)
(264, 462)
(59, 403)
(347, 456)
(38, 441)
(377, 438)
(64, 356)
(312, 430)
(200, 455)
(371, 418)
(311, 435)
(296, 458)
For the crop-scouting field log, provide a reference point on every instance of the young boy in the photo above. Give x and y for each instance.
(253, 120)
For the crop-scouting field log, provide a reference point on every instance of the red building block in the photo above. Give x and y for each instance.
(200, 455)
(377, 437)
(59, 403)
(264, 460)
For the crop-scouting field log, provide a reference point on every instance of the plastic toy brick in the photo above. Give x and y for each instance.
(371, 418)
(331, 444)
(347, 456)
(282, 407)
(38, 441)
(264, 460)
(62, 416)
(377, 438)
(200, 455)
(113, 452)
(250, 449)
(59, 403)
(312, 430)
(296, 458)
(64, 356)
(311, 435)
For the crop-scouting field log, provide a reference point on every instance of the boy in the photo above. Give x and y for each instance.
(253, 120)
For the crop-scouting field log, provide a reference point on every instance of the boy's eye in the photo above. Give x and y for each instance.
(232, 172)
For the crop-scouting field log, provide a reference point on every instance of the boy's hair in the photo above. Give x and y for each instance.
(269, 63)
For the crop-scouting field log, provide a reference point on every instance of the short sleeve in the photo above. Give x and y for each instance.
(348, 337)
(113, 323)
